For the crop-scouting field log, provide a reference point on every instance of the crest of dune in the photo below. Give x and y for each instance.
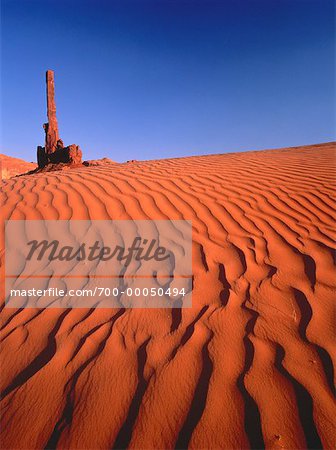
(10, 167)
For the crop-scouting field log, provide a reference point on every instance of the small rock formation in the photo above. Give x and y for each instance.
(99, 162)
(54, 151)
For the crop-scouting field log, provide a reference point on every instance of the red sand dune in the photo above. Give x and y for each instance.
(9, 167)
(250, 365)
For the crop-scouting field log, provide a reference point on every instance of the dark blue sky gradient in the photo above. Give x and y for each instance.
(151, 79)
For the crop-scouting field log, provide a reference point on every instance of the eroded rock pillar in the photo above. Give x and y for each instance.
(51, 128)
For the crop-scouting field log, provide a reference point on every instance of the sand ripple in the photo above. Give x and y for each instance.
(250, 365)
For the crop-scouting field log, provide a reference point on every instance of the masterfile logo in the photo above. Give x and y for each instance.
(83, 263)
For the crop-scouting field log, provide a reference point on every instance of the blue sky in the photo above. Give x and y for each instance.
(146, 79)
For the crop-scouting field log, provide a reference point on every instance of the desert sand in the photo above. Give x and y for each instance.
(10, 167)
(250, 365)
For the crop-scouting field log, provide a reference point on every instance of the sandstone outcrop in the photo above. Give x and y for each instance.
(99, 162)
(54, 151)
